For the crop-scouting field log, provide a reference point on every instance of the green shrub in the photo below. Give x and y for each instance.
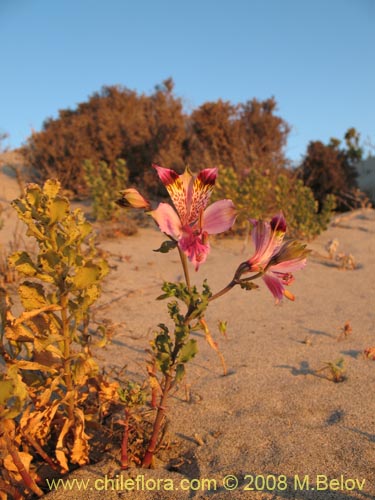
(104, 185)
(301, 209)
(260, 195)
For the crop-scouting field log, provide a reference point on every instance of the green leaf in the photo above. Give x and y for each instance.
(86, 276)
(163, 362)
(91, 295)
(163, 343)
(223, 327)
(33, 194)
(180, 372)
(84, 226)
(58, 209)
(163, 296)
(6, 391)
(167, 246)
(22, 262)
(51, 188)
(104, 267)
(188, 351)
(32, 295)
(18, 392)
(49, 260)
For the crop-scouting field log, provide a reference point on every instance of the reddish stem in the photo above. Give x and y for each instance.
(147, 459)
(27, 479)
(11, 490)
(34, 443)
(154, 395)
(125, 441)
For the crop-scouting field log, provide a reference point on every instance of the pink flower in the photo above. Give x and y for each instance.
(192, 221)
(273, 257)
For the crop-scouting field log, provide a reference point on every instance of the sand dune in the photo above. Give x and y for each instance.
(272, 415)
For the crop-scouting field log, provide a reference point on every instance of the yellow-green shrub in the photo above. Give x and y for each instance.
(46, 348)
(104, 184)
(259, 195)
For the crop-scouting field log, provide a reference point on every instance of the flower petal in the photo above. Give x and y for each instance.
(278, 223)
(262, 237)
(290, 251)
(179, 188)
(202, 189)
(289, 266)
(219, 217)
(267, 238)
(166, 175)
(168, 220)
(275, 286)
(195, 246)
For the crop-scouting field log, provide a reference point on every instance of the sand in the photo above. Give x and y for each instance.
(273, 422)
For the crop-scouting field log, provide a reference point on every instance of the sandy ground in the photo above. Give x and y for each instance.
(272, 422)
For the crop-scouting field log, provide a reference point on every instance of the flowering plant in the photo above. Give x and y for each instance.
(188, 226)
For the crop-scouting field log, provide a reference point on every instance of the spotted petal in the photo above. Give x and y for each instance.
(202, 189)
(179, 188)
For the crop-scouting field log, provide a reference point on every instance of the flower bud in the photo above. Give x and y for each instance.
(132, 198)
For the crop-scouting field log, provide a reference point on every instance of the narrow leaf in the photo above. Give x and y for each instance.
(166, 246)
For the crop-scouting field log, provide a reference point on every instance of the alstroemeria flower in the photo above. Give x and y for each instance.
(192, 221)
(274, 257)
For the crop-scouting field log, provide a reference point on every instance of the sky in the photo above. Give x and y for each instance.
(316, 57)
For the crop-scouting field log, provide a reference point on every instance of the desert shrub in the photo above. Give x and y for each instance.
(331, 169)
(104, 185)
(144, 129)
(114, 123)
(49, 370)
(260, 193)
(245, 135)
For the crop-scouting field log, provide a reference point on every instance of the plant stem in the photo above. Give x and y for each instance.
(27, 479)
(147, 459)
(184, 266)
(235, 281)
(154, 391)
(11, 490)
(124, 444)
(168, 380)
(67, 361)
(251, 278)
(223, 291)
(34, 443)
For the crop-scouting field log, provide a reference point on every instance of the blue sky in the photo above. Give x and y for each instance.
(315, 56)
